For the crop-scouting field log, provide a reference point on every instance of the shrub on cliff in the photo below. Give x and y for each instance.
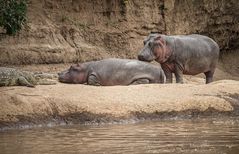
(12, 15)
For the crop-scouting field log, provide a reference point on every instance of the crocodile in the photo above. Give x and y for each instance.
(15, 77)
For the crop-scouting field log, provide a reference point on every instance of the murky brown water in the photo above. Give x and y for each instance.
(174, 136)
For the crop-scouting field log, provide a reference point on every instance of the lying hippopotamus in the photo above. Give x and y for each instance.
(182, 54)
(110, 72)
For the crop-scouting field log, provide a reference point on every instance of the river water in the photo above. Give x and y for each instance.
(203, 136)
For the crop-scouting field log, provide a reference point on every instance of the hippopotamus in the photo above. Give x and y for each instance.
(113, 71)
(182, 54)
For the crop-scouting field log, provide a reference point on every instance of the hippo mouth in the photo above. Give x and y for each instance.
(145, 60)
(62, 77)
(142, 58)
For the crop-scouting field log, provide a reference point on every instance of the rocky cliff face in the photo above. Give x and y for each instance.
(69, 31)
(217, 19)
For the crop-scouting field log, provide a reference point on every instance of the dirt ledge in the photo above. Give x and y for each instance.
(64, 103)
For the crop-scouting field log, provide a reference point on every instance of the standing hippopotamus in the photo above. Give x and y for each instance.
(182, 54)
(109, 72)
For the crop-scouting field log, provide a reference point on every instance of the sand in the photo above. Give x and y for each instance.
(71, 103)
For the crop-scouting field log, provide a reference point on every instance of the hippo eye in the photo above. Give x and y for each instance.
(150, 44)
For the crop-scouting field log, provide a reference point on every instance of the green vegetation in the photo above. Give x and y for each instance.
(123, 6)
(12, 15)
(125, 2)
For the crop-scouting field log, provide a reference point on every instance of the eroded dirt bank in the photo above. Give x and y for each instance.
(63, 103)
(61, 31)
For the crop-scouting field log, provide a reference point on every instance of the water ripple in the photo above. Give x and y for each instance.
(182, 136)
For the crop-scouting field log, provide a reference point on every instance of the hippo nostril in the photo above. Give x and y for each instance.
(59, 74)
(140, 57)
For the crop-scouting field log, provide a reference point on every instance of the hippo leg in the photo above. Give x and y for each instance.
(178, 74)
(140, 81)
(209, 76)
(92, 80)
(168, 73)
(169, 77)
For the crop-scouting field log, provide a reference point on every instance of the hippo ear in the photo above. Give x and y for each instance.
(75, 67)
(157, 38)
(78, 65)
(160, 39)
(72, 67)
(144, 42)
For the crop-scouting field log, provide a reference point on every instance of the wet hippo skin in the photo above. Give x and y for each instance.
(182, 54)
(113, 71)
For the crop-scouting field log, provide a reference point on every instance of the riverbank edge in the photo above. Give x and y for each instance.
(86, 118)
(23, 107)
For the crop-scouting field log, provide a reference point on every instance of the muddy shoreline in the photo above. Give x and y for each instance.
(61, 104)
(87, 118)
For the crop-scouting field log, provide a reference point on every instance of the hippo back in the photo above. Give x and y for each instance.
(196, 53)
(115, 71)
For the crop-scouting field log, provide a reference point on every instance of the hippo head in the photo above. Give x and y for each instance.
(154, 49)
(75, 74)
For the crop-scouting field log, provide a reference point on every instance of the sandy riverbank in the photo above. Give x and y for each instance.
(64, 103)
